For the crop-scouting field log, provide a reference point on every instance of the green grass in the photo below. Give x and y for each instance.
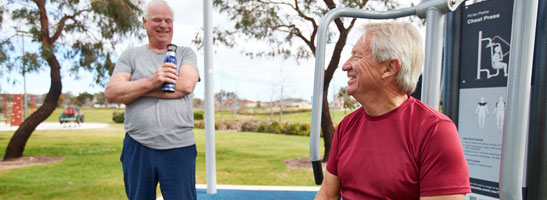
(99, 115)
(92, 170)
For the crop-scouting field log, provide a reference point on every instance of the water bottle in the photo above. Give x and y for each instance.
(170, 57)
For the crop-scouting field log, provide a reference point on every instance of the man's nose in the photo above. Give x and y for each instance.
(346, 66)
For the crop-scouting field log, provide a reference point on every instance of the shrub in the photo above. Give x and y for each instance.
(274, 127)
(118, 117)
(304, 129)
(291, 129)
(198, 115)
(199, 124)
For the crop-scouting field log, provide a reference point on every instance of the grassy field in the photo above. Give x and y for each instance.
(91, 169)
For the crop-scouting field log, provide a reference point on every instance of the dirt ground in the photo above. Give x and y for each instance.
(301, 163)
(29, 161)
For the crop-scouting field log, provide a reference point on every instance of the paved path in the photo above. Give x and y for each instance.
(252, 192)
(56, 126)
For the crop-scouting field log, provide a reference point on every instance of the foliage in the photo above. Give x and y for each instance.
(99, 98)
(82, 32)
(198, 115)
(349, 101)
(118, 117)
(197, 103)
(84, 98)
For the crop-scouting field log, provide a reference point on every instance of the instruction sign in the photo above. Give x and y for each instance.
(485, 49)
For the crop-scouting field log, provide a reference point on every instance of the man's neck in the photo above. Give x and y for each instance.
(386, 101)
(157, 48)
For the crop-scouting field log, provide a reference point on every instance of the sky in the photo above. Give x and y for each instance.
(254, 79)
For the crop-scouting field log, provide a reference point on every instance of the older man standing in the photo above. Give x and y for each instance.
(159, 145)
(394, 146)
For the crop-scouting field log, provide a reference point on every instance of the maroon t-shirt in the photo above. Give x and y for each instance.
(411, 151)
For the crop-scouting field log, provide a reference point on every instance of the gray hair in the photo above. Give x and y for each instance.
(399, 40)
(156, 2)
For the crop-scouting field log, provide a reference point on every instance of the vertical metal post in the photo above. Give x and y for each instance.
(537, 142)
(431, 87)
(518, 98)
(210, 158)
(25, 108)
(451, 65)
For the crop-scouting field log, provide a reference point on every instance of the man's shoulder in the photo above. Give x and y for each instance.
(352, 117)
(133, 50)
(426, 112)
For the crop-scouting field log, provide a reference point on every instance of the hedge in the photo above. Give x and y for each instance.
(259, 126)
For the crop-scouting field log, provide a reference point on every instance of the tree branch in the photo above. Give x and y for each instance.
(61, 24)
(44, 23)
(295, 7)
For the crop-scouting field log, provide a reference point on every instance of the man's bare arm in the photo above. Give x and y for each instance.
(186, 82)
(121, 89)
(330, 188)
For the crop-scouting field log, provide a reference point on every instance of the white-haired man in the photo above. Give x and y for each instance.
(394, 146)
(159, 145)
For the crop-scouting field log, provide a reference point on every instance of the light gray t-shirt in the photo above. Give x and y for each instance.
(153, 122)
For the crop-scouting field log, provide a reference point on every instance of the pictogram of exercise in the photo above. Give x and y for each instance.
(496, 56)
(482, 111)
(499, 111)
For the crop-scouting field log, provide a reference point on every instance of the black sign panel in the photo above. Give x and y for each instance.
(486, 35)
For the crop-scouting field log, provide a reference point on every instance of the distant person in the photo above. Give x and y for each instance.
(394, 146)
(159, 145)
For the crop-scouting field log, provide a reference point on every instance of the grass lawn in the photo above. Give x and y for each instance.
(91, 169)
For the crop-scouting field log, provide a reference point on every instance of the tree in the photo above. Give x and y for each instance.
(284, 25)
(225, 100)
(348, 101)
(84, 32)
(84, 98)
(197, 103)
(99, 98)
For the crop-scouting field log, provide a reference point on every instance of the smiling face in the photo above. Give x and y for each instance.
(361, 68)
(159, 25)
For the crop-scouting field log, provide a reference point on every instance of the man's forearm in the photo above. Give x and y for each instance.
(158, 93)
(127, 91)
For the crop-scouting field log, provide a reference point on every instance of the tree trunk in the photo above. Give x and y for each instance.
(18, 141)
(326, 126)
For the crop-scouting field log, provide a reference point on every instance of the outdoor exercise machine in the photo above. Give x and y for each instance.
(524, 16)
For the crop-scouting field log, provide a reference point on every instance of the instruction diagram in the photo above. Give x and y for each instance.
(497, 50)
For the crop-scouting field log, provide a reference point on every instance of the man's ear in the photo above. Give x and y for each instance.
(392, 66)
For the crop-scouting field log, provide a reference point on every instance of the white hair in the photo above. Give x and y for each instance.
(156, 2)
(399, 40)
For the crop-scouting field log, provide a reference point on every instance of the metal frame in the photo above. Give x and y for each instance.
(210, 155)
(518, 98)
(434, 9)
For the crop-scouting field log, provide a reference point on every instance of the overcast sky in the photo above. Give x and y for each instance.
(252, 79)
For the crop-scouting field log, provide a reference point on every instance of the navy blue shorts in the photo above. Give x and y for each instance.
(143, 168)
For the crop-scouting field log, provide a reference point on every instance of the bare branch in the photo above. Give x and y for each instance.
(295, 7)
(62, 22)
